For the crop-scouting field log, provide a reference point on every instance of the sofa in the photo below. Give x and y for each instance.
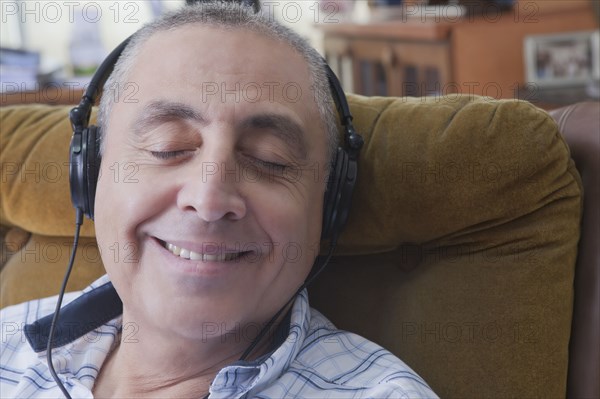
(471, 249)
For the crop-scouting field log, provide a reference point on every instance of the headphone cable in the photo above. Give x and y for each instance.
(78, 223)
(310, 278)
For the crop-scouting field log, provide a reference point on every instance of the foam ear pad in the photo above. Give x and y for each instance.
(84, 163)
(77, 180)
(347, 184)
(92, 153)
(334, 194)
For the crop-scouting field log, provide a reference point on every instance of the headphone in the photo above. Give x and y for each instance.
(85, 158)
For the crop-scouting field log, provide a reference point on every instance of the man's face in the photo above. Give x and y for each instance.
(216, 152)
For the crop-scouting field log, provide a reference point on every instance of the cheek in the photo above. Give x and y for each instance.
(292, 221)
(124, 200)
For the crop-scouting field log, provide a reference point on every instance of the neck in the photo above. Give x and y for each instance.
(153, 363)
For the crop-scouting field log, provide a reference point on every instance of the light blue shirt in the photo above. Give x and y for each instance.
(313, 359)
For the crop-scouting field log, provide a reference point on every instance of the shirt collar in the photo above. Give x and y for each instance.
(246, 376)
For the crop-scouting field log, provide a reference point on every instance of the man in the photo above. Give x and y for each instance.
(213, 234)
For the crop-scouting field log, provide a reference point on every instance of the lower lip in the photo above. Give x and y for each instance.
(197, 267)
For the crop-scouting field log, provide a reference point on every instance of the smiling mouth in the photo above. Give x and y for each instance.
(191, 255)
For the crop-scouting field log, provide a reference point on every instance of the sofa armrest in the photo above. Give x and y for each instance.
(580, 125)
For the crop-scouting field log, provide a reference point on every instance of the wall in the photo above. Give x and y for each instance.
(46, 25)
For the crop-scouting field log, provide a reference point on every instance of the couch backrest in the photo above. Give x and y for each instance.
(477, 206)
(460, 250)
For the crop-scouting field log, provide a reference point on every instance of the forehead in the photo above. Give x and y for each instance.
(221, 70)
(200, 56)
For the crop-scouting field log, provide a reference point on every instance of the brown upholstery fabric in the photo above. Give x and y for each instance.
(463, 236)
(37, 270)
(488, 202)
(34, 151)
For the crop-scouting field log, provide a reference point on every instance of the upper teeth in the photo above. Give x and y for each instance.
(187, 254)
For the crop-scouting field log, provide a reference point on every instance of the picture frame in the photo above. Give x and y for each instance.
(565, 59)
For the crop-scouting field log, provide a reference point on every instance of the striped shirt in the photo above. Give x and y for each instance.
(313, 359)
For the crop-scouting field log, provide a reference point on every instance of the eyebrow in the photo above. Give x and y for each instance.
(282, 127)
(158, 112)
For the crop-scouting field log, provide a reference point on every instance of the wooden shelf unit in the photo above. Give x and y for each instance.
(427, 55)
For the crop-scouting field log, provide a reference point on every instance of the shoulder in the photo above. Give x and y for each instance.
(15, 318)
(31, 311)
(342, 360)
(24, 371)
(16, 353)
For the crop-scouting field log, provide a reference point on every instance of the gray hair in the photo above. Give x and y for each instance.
(229, 15)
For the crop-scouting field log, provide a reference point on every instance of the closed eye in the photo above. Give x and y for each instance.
(169, 154)
(266, 165)
(270, 165)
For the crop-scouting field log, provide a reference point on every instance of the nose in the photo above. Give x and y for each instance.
(212, 191)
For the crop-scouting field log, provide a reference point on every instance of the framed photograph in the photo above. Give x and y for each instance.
(566, 59)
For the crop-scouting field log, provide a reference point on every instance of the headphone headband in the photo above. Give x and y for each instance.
(80, 115)
(353, 140)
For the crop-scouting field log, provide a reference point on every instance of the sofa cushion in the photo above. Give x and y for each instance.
(474, 206)
(38, 268)
(460, 247)
(34, 156)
